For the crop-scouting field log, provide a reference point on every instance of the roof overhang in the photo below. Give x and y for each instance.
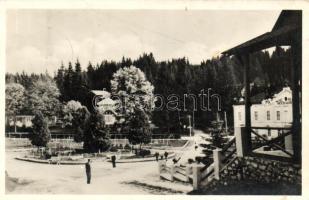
(285, 31)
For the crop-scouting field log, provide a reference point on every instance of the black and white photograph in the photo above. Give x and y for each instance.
(153, 101)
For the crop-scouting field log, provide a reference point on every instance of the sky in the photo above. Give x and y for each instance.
(39, 40)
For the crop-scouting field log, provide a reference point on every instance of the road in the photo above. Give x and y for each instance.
(126, 178)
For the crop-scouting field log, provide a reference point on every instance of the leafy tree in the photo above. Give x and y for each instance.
(14, 100)
(139, 128)
(97, 135)
(40, 135)
(44, 97)
(136, 94)
(75, 116)
(131, 85)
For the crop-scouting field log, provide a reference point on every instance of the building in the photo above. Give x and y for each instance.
(21, 121)
(274, 112)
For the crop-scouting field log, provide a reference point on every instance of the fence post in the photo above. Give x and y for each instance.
(173, 171)
(188, 171)
(161, 165)
(217, 162)
(196, 168)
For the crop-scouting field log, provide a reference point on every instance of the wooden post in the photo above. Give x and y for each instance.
(162, 165)
(188, 171)
(196, 168)
(217, 162)
(296, 49)
(246, 63)
(173, 171)
(246, 139)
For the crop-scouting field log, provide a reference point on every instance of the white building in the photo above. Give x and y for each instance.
(275, 112)
(21, 120)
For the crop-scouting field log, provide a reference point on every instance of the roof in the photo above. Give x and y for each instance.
(260, 97)
(286, 27)
(256, 99)
(106, 101)
(102, 93)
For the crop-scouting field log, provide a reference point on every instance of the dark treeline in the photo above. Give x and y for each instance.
(224, 75)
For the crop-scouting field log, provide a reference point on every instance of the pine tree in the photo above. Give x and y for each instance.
(96, 134)
(40, 135)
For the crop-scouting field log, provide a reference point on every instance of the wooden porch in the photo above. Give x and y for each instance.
(287, 31)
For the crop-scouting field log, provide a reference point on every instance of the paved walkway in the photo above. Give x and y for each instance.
(128, 178)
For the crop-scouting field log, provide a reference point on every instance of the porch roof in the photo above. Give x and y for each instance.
(283, 33)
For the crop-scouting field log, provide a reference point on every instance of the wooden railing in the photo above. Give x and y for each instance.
(220, 159)
(274, 142)
(198, 173)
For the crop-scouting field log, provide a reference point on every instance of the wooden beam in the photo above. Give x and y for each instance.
(246, 136)
(246, 63)
(271, 157)
(296, 50)
(272, 143)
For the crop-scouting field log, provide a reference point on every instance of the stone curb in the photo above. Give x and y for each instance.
(47, 162)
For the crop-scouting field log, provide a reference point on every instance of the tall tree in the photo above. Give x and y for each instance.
(75, 116)
(44, 97)
(97, 134)
(137, 100)
(14, 100)
(40, 135)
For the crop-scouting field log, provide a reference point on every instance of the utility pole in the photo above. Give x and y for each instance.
(225, 119)
(190, 127)
(193, 120)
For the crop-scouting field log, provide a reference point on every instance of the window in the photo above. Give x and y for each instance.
(239, 116)
(268, 115)
(255, 115)
(278, 115)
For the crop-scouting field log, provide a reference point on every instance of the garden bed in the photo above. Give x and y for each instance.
(52, 161)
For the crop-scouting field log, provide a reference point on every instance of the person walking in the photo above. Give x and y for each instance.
(165, 155)
(114, 160)
(157, 156)
(88, 171)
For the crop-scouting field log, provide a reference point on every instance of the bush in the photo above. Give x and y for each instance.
(144, 152)
(113, 149)
(127, 146)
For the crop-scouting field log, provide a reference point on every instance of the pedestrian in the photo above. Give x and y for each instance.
(114, 161)
(161, 157)
(175, 161)
(165, 155)
(195, 147)
(157, 156)
(88, 171)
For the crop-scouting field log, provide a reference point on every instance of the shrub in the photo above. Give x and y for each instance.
(113, 149)
(144, 152)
